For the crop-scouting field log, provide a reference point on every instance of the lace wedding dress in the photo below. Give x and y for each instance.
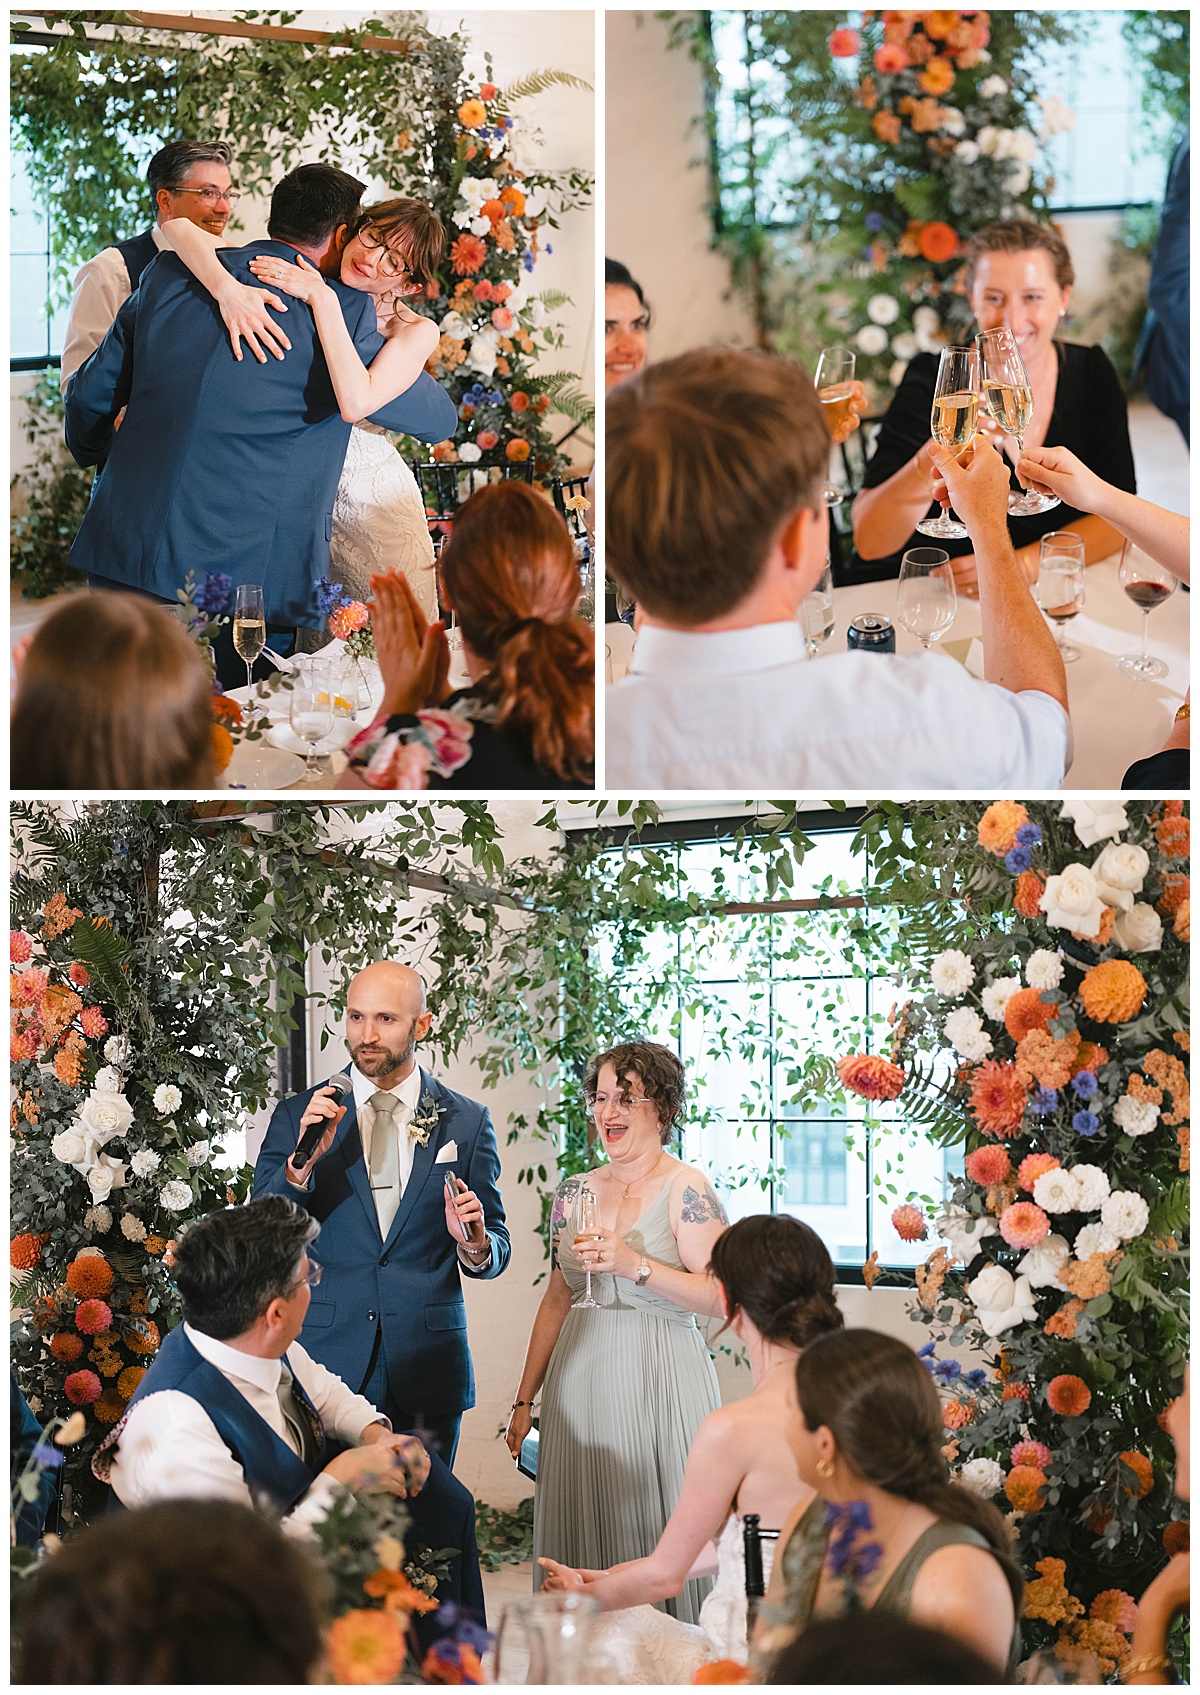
(645, 1645)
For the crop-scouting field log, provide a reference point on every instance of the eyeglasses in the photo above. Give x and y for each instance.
(599, 1103)
(210, 196)
(389, 262)
(312, 1277)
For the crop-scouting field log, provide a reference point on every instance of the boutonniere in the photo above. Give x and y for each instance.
(424, 1120)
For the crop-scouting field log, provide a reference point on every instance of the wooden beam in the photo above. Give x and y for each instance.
(216, 26)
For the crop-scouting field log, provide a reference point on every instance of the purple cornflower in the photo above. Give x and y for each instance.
(848, 1558)
(527, 260)
(873, 221)
(329, 595)
(1043, 1101)
(214, 593)
(1029, 835)
(1084, 1084)
(1018, 859)
(47, 1455)
(927, 1350)
(462, 1627)
(976, 1378)
(947, 1371)
(1085, 1123)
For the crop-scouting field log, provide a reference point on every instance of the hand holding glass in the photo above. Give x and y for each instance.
(835, 390)
(249, 625)
(1008, 396)
(952, 422)
(1060, 584)
(587, 1225)
(926, 599)
(1147, 584)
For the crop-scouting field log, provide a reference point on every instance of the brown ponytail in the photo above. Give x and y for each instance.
(509, 570)
(778, 1271)
(879, 1401)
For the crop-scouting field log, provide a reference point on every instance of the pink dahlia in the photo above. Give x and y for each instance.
(844, 43)
(1034, 1166)
(91, 1317)
(1024, 1225)
(1115, 1607)
(1031, 1453)
(891, 59)
(909, 1223)
(31, 985)
(872, 1077)
(22, 1046)
(988, 1165)
(20, 947)
(93, 1022)
(83, 1387)
(79, 974)
(347, 620)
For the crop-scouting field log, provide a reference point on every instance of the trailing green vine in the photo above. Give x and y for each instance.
(54, 493)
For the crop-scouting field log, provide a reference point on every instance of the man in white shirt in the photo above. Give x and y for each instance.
(187, 179)
(716, 527)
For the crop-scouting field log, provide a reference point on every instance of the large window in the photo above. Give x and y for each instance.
(758, 1003)
(35, 332)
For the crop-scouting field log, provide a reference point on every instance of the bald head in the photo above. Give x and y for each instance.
(386, 1017)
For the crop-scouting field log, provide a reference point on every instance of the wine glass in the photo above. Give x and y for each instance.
(952, 422)
(926, 599)
(1060, 584)
(311, 712)
(835, 390)
(1147, 584)
(816, 611)
(587, 1223)
(249, 625)
(1009, 398)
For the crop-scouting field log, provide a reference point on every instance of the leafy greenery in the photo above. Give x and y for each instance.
(504, 1538)
(54, 493)
(1162, 44)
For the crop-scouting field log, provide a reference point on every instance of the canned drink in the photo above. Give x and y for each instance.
(872, 633)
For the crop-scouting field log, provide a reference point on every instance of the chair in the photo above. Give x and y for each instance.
(444, 488)
(752, 1540)
(563, 489)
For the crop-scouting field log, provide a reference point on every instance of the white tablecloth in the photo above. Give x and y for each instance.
(1116, 718)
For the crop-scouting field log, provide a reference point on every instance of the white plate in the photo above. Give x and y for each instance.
(283, 736)
(256, 766)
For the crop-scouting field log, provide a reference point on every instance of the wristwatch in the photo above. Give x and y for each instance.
(643, 1276)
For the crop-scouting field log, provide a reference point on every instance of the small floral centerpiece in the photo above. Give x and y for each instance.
(349, 619)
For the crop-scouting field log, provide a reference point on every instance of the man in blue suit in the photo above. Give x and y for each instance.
(223, 465)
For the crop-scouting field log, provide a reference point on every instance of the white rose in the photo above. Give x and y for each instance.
(1136, 1118)
(1095, 1239)
(1000, 1300)
(1071, 901)
(69, 1146)
(982, 1477)
(197, 1154)
(1057, 1191)
(106, 1175)
(116, 1050)
(108, 1081)
(997, 996)
(176, 1195)
(1125, 1213)
(145, 1162)
(98, 1219)
(1093, 1187)
(953, 122)
(1095, 819)
(926, 321)
(105, 1116)
(1042, 1266)
(965, 1033)
(952, 973)
(469, 452)
(992, 87)
(883, 309)
(1120, 870)
(167, 1099)
(1139, 930)
(990, 141)
(455, 326)
(133, 1228)
(871, 339)
(963, 1231)
(967, 151)
(1043, 969)
(485, 347)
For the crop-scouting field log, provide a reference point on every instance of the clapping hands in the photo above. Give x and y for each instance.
(413, 654)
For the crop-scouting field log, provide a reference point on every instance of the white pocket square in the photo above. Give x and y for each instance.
(446, 1154)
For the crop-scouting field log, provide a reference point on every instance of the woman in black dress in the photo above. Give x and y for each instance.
(1020, 274)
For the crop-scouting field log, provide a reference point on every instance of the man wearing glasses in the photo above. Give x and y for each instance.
(188, 179)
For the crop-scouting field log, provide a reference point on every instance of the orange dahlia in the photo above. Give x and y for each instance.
(1113, 991)
(871, 1076)
(472, 113)
(66, 1346)
(957, 1414)
(1176, 889)
(93, 1023)
(89, 1275)
(1177, 1537)
(1024, 1225)
(128, 1381)
(1068, 1395)
(1025, 1487)
(1183, 921)
(989, 1166)
(222, 747)
(999, 825)
(998, 1097)
(1015, 1392)
(1114, 1606)
(467, 255)
(25, 1251)
(890, 59)
(909, 1223)
(1032, 1167)
(1027, 894)
(82, 1388)
(937, 77)
(722, 1671)
(109, 1406)
(364, 1646)
(139, 1343)
(1142, 1469)
(518, 450)
(938, 243)
(1026, 1011)
(844, 43)
(1174, 837)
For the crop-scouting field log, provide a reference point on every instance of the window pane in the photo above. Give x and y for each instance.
(27, 311)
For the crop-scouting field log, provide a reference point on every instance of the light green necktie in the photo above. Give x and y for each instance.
(385, 1159)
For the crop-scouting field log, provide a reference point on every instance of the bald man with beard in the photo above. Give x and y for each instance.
(388, 1314)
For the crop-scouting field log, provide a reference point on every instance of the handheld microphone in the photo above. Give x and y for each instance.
(306, 1147)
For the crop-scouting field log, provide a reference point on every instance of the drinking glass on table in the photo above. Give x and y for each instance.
(835, 390)
(952, 422)
(926, 599)
(1060, 584)
(1147, 584)
(816, 611)
(1008, 396)
(249, 625)
(587, 1226)
(311, 711)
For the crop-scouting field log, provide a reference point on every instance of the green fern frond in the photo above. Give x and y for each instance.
(565, 396)
(927, 1104)
(1169, 1214)
(537, 82)
(106, 955)
(553, 299)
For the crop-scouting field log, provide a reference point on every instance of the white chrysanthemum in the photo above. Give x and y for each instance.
(1044, 969)
(133, 1228)
(1093, 1185)
(1095, 1239)
(116, 1050)
(469, 452)
(953, 122)
(1126, 1213)
(167, 1099)
(1136, 1118)
(926, 321)
(90, 1253)
(1057, 1191)
(872, 339)
(145, 1162)
(905, 346)
(982, 1477)
(997, 996)
(176, 1195)
(108, 1080)
(992, 87)
(883, 309)
(98, 1219)
(966, 1035)
(952, 973)
(197, 1154)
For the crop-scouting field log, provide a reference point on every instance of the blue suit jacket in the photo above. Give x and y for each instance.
(221, 466)
(408, 1284)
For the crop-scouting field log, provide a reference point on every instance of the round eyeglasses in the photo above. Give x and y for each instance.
(599, 1103)
(210, 196)
(312, 1276)
(389, 262)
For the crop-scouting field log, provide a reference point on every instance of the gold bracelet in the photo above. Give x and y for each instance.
(1146, 1662)
(1185, 711)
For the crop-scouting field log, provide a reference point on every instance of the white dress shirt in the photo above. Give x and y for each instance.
(747, 709)
(171, 1448)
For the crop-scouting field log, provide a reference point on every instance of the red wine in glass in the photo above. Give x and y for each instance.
(1147, 595)
(1147, 584)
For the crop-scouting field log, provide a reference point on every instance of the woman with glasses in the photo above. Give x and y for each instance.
(379, 521)
(626, 1381)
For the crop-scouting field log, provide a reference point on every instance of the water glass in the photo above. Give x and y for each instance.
(546, 1640)
(310, 712)
(1060, 584)
(926, 599)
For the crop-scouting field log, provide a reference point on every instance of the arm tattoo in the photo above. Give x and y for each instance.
(699, 1208)
(560, 1211)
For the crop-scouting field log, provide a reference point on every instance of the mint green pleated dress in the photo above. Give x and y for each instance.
(628, 1383)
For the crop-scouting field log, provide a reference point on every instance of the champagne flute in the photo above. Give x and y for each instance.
(587, 1224)
(1060, 584)
(1147, 584)
(249, 625)
(817, 611)
(311, 714)
(835, 390)
(1008, 396)
(926, 598)
(952, 422)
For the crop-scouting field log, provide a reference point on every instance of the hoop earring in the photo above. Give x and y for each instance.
(824, 1468)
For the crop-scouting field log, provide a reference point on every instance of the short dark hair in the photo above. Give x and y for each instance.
(874, 1648)
(231, 1265)
(311, 202)
(178, 1592)
(658, 1070)
(617, 275)
(170, 162)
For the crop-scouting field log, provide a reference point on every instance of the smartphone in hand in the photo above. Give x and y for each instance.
(452, 1191)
